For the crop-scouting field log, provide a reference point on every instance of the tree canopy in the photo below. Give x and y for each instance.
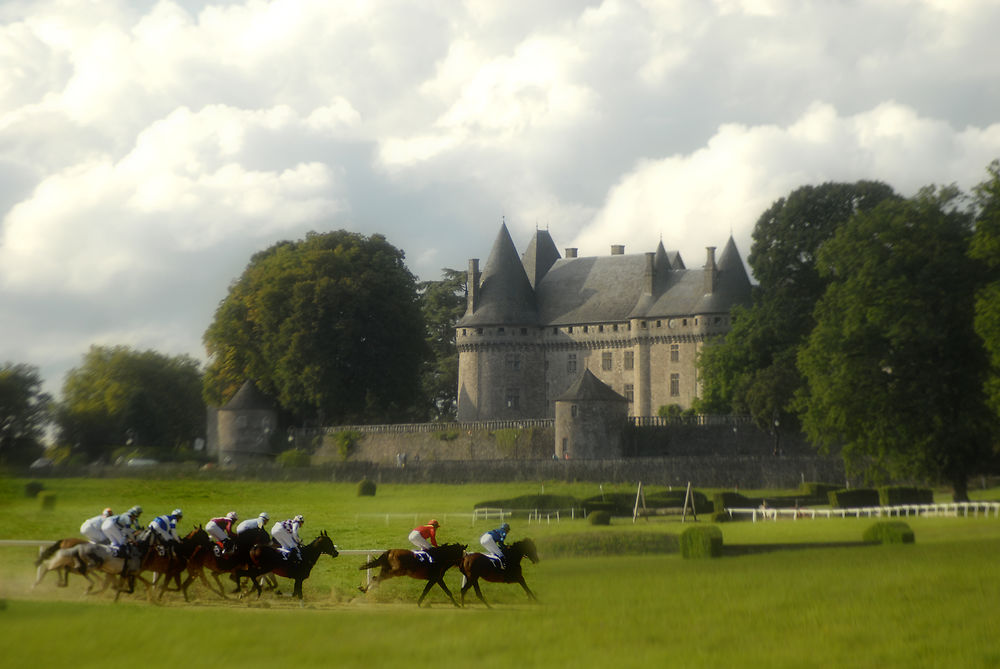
(893, 366)
(986, 249)
(330, 326)
(120, 396)
(443, 303)
(24, 413)
(754, 369)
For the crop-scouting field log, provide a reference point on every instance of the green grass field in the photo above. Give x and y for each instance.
(787, 594)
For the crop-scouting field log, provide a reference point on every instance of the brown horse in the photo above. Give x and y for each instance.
(268, 559)
(402, 562)
(207, 557)
(169, 562)
(85, 558)
(477, 566)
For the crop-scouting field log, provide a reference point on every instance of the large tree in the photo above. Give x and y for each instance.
(24, 413)
(120, 396)
(443, 303)
(986, 248)
(330, 326)
(753, 370)
(894, 367)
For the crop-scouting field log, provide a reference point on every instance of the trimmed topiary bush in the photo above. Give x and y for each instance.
(888, 532)
(366, 488)
(892, 495)
(293, 457)
(599, 518)
(721, 517)
(32, 488)
(701, 541)
(849, 499)
(48, 500)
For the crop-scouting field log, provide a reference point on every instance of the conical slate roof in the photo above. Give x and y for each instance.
(589, 388)
(249, 397)
(505, 293)
(732, 285)
(540, 256)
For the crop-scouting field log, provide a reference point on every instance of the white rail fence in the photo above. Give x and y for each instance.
(953, 509)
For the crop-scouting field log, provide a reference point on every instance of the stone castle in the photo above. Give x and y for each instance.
(534, 324)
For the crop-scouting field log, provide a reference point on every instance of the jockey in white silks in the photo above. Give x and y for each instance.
(91, 527)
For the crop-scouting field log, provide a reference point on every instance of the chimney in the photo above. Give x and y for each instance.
(647, 278)
(711, 270)
(570, 252)
(617, 249)
(472, 286)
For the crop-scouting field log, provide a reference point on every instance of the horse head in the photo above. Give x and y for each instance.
(527, 547)
(325, 544)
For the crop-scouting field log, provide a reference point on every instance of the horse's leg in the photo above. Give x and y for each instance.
(524, 585)
(479, 594)
(427, 588)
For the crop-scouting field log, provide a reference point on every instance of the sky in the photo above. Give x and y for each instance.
(148, 149)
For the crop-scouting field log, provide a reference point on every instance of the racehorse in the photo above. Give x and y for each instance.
(403, 562)
(477, 566)
(205, 556)
(63, 571)
(268, 559)
(85, 557)
(170, 562)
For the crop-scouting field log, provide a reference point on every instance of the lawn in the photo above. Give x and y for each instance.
(808, 593)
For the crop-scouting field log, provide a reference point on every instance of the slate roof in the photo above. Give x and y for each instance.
(249, 397)
(505, 294)
(589, 388)
(599, 289)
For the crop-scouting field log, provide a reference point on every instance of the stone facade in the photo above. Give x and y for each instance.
(637, 322)
(245, 426)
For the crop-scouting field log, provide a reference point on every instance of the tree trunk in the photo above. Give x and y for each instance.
(960, 488)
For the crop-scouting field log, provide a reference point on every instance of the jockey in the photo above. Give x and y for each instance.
(165, 527)
(91, 527)
(286, 533)
(493, 541)
(258, 523)
(425, 536)
(119, 529)
(221, 529)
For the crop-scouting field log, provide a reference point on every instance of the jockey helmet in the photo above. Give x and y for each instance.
(505, 527)
(434, 523)
(107, 512)
(299, 519)
(232, 515)
(135, 511)
(177, 513)
(263, 516)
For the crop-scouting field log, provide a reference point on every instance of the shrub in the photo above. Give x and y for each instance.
(48, 500)
(701, 541)
(898, 494)
(733, 500)
(32, 488)
(812, 489)
(293, 457)
(346, 440)
(721, 517)
(447, 435)
(599, 518)
(366, 488)
(609, 542)
(888, 532)
(846, 499)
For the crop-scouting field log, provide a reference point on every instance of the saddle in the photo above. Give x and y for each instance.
(423, 557)
(497, 561)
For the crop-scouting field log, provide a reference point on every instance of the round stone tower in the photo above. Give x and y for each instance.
(590, 420)
(245, 427)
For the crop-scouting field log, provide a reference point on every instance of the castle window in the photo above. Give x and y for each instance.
(574, 410)
(524, 331)
(513, 398)
(606, 361)
(513, 361)
(615, 327)
(629, 359)
(642, 324)
(675, 385)
(464, 332)
(570, 329)
(629, 392)
(659, 324)
(684, 322)
(586, 328)
(500, 331)
(675, 352)
(571, 363)
(479, 331)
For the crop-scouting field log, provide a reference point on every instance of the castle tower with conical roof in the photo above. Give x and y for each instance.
(635, 321)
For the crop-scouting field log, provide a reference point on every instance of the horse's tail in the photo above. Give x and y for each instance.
(48, 552)
(381, 561)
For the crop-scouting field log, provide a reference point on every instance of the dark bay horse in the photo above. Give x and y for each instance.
(402, 562)
(207, 558)
(170, 562)
(268, 559)
(477, 566)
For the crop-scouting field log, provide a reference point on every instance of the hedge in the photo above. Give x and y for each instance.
(897, 494)
(599, 518)
(701, 541)
(366, 488)
(848, 499)
(888, 532)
